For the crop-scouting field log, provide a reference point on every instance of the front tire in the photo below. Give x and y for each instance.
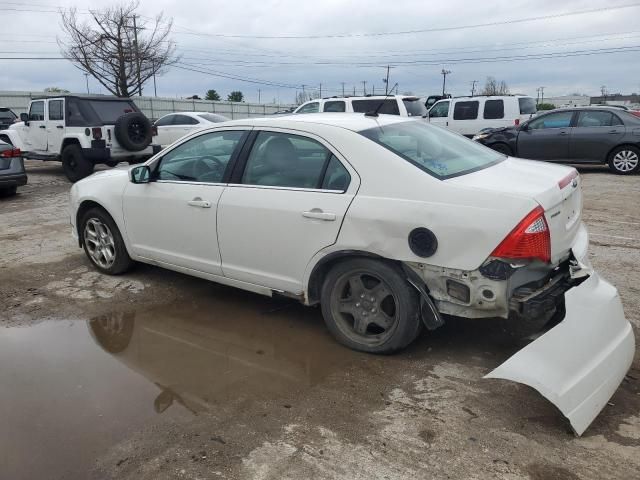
(74, 163)
(103, 243)
(624, 160)
(369, 306)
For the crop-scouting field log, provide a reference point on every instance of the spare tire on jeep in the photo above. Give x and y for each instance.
(133, 131)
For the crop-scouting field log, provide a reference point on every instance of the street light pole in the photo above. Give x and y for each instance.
(86, 77)
(444, 74)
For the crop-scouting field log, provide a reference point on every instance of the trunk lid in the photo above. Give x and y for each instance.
(539, 181)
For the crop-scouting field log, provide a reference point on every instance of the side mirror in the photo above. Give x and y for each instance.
(140, 174)
(524, 127)
(24, 117)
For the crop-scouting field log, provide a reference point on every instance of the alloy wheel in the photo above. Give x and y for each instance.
(365, 307)
(100, 243)
(625, 160)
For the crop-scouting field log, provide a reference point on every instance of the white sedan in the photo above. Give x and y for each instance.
(172, 127)
(387, 223)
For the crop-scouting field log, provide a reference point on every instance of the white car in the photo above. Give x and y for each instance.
(470, 115)
(174, 126)
(387, 223)
(403, 105)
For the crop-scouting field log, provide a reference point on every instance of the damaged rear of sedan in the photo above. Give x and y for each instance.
(388, 224)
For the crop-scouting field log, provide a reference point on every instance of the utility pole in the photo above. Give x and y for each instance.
(86, 77)
(320, 90)
(354, 90)
(541, 94)
(386, 82)
(259, 91)
(135, 39)
(364, 87)
(155, 88)
(342, 88)
(473, 87)
(444, 74)
(304, 95)
(374, 89)
(603, 92)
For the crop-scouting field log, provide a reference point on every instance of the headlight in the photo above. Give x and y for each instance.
(480, 136)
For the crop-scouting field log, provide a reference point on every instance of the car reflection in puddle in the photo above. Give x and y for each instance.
(64, 401)
(202, 360)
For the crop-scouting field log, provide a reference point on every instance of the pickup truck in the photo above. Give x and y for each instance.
(82, 131)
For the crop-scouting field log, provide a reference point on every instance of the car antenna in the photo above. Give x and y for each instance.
(375, 112)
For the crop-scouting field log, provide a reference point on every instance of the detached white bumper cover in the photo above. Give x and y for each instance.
(579, 363)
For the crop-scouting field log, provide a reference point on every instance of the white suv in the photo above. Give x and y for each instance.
(403, 105)
(469, 115)
(82, 132)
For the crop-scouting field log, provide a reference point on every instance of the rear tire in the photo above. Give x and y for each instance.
(74, 164)
(624, 160)
(503, 148)
(369, 306)
(103, 243)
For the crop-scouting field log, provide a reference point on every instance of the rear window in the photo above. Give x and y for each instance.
(493, 109)
(527, 106)
(438, 152)
(415, 107)
(212, 117)
(465, 110)
(110, 110)
(389, 107)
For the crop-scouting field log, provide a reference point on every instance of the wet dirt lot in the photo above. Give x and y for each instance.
(156, 375)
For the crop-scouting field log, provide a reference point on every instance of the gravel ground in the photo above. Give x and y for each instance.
(220, 383)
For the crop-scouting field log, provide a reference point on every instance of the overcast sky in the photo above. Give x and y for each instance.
(298, 61)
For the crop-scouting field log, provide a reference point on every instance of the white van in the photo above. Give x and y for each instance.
(469, 115)
(403, 105)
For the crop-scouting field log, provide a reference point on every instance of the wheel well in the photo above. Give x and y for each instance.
(502, 143)
(618, 146)
(84, 208)
(68, 141)
(323, 267)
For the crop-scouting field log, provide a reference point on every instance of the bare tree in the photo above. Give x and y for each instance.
(492, 87)
(119, 48)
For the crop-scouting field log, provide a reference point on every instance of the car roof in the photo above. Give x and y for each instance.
(84, 97)
(350, 121)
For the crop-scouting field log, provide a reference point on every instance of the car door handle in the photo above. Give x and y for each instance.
(43, 126)
(318, 214)
(60, 127)
(198, 202)
(563, 132)
(612, 132)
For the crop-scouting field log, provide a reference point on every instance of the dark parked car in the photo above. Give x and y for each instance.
(573, 135)
(7, 117)
(12, 173)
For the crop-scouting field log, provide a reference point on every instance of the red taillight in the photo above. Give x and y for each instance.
(13, 153)
(568, 179)
(530, 240)
(96, 133)
(516, 122)
(154, 131)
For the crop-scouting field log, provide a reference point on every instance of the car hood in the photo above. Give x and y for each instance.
(540, 182)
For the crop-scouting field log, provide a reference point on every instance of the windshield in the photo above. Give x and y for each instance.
(6, 114)
(415, 107)
(110, 110)
(434, 150)
(212, 117)
(527, 106)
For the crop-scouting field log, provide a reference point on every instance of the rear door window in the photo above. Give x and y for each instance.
(527, 106)
(597, 119)
(334, 106)
(466, 110)
(184, 120)
(164, 121)
(389, 107)
(493, 109)
(56, 110)
(36, 112)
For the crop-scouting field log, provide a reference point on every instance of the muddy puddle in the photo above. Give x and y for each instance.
(70, 389)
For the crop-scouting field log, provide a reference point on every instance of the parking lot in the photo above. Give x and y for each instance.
(214, 382)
